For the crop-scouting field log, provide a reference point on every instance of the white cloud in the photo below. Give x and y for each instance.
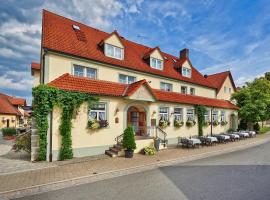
(9, 53)
(22, 84)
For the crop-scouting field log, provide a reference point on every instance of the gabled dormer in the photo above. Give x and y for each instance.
(154, 58)
(183, 65)
(113, 46)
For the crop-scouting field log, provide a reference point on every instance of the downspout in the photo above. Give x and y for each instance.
(51, 123)
(212, 121)
(43, 65)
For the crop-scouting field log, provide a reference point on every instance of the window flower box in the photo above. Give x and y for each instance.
(164, 123)
(215, 123)
(206, 124)
(178, 123)
(190, 123)
(95, 124)
(223, 123)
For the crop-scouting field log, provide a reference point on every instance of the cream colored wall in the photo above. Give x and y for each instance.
(87, 138)
(36, 76)
(11, 123)
(156, 54)
(221, 94)
(58, 65)
(186, 65)
(114, 40)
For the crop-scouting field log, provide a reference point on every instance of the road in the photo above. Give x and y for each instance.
(239, 175)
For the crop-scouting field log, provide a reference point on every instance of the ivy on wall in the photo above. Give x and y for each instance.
(200, 111)
(44, 99)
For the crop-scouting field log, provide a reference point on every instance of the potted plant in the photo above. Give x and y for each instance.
(149, 151)
(223, 123)
(178, 123)
(190, 123)
(103, 123)
(205, 124)
(215, 123)
(163, 123)
(93, 124)
(9, 133)
(129, 142)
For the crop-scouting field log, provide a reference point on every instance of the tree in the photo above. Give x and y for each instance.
(254, 101)
(267, 76)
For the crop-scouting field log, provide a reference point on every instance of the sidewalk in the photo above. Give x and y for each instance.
(68, 173)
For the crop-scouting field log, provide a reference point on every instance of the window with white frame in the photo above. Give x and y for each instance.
(156, 63)
(164, 113)
(230, 90)
(183, 89)
(114, 52)
(223, 116)
(186, 72)
(206, 116)
(126, 79)
(190, 114)
(98, 111)
(225, 89)
(178, 114)
(192, 91)
(83, 71)
(165, 86)
(215, 115)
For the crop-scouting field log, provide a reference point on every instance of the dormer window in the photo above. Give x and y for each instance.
(114, 52)
(156, 63)
(186, 72)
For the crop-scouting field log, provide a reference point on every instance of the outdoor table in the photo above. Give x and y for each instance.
(212, 139)
(245, 134)
(235, 136)
(195, 141)
(226, 137)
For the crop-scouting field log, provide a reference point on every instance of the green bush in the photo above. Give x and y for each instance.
(128, 139)
(149, 151)
(264, 130)
(23, 142)
(256, 127)
(9, 131)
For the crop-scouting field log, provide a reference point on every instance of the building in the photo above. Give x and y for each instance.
(12, 113)
(136, 84)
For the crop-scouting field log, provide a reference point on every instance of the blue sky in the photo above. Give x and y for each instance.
(221, 35)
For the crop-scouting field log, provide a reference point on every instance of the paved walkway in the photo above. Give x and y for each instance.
(67, 173)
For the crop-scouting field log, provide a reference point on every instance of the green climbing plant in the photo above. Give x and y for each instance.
(45, 98)
(200, 111)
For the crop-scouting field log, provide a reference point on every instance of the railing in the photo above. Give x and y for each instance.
(119, 139)
(161, 134)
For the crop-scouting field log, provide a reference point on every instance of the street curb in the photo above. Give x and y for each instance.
(117, 173)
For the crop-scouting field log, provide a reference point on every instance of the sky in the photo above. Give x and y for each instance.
(221, 34)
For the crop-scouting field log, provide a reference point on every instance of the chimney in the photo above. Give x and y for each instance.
(184, 53)
(205, 76)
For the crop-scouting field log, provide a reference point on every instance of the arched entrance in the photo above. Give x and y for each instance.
(136, 117)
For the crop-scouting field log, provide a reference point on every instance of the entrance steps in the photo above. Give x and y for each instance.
(114, 151)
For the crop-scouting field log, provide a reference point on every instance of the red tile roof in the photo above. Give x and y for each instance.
(218, 79)
(7, 105)
(106, 88)
(18, 101)
(58, 35)
(35, 65)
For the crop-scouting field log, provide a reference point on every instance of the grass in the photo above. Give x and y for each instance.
(264, 129)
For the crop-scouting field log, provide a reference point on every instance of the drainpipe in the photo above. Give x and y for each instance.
(51, 123)
(212, 120)
(43, 65)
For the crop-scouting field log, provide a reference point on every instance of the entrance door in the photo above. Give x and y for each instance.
(136, 117)
(7, 123)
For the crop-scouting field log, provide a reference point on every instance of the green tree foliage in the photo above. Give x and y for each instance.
(267, 76)
(200, 112)
(128, 139)
(45, 99)
(254, 101)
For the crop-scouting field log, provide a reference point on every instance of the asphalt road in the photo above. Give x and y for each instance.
(243, 175)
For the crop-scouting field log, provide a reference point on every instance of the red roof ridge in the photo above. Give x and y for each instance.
(219, 78)
(35, 65)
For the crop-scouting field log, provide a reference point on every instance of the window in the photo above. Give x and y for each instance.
(166, 86)
(183, 89)
(192, 91)
(230, 90)
(114, 52)
(206, 116)
(178, 112)
(126, 79)
(156, 63)
(186, 72)
(223, 116)
(190, 114)
(98, 112)
(215, 115)
(164, 113)
(225, 89)
(79, 70)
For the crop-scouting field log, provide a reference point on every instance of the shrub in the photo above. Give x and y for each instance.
(256, 127)
(128, 139)
(149, 151)
(264, 130)
(23, 142)
(9, 131)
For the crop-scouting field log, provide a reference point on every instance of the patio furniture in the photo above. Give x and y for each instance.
(220, 138)
(213, 140)
(227, 138)
(252, 133)
(194, 142)
(183, 142)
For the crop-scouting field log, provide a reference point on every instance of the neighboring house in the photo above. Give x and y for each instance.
(35, 71)
(12, 113)
(136, 84)
(224, 84)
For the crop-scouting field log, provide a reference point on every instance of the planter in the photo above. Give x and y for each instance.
(157, 143)
(129, 153)
(9, 137)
